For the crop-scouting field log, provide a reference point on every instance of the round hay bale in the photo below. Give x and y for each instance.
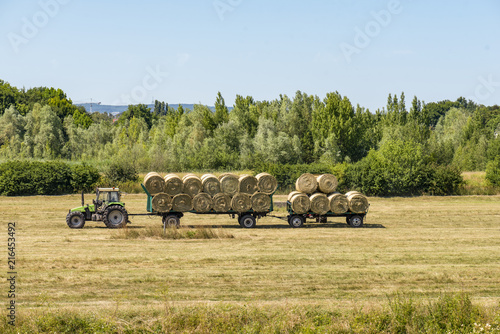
(224, 174)
(241, 202)
(261, 202)
(327, 183)
(221, 202)
(211, 184)
(182, 203)
(300, 203)
(358, 203)
(188, 175)
(229, 184)
(173, 184)
(202, 202)
(266, 183)
(154, 183)
(320, 203)
(306, 183)
(338, 203)
(248, 184)
(352, 192)
(293, 193)
(192, 185)
(162, 202)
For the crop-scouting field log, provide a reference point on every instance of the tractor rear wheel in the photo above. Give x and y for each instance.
(115, 216)
(75, 219)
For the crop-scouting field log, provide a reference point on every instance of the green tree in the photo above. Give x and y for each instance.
(44, 133)
(493, 171)
(245, 114)
(138, 111)
(273, 146)
(335, 116)
(11, 132)
(221, 112)
(9, 96)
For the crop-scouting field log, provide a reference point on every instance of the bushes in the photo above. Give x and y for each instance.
(45, 178)
(399, 168)
(493, 172)
(444, 180)
(121, 171)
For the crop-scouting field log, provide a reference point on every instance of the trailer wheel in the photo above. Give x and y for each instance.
(356, 221)
(171, 221)
(297, 221)
(75, 219)
(248, 221)
(115, 216)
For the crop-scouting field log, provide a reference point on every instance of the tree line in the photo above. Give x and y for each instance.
(389, 151)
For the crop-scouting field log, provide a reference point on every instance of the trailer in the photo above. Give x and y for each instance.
(247, 219)
(296, 220)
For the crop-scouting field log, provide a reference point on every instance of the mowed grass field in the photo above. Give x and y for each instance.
(422, 247)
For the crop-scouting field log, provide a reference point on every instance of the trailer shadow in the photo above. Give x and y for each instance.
(285, 226)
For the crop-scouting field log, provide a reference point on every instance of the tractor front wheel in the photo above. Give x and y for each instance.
(115, 216)
(75, 219)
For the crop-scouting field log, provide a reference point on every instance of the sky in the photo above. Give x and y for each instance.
(130, 52)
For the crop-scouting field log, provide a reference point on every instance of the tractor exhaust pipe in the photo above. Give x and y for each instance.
(83, 200)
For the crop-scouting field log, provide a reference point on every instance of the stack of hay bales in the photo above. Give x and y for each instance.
(317, 194)
(210, 193)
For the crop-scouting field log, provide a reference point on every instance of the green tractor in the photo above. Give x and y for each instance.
(107, 208)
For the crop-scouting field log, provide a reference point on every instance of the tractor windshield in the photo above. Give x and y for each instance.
(109, 196)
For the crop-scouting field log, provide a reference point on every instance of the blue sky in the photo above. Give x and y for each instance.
(121, 52)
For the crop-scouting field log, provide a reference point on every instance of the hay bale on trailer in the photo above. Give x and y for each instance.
(221, 202)
(173, 184)
(338, 203)
(306, 183)
(358, 203)
(248, 185)
(229, 184)
(327, 183)
(192, 185)
(211, 184)
(266, 183)
(182, 203)
(319, 203)
(162, 202)
(293, 193)
(241, 202)
(202, 202)
(261, 202)
(300, 203)
(154, 183)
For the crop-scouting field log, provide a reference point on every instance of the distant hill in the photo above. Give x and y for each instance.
(112, 109)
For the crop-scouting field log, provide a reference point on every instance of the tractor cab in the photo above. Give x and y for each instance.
(106, 196)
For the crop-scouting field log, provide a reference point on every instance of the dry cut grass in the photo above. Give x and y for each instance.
(158, 232)
(423, 247)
